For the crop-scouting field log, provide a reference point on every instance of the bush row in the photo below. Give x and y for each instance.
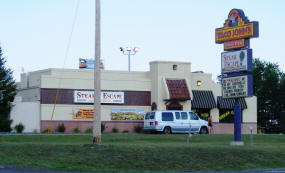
(61, 128)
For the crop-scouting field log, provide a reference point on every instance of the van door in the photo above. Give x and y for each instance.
(195, 122)
(178, 124)
(168, 121)
(185, 122)
(149, 120)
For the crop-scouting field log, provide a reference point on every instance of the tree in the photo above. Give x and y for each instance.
(282, 99)
(7, 94)
(267, 86)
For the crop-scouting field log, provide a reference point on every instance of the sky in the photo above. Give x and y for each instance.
(36, 34)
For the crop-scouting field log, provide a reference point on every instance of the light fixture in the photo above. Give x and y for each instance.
(136, 49)
(129, 51)
(199, 83)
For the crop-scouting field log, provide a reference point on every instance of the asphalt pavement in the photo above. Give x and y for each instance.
(14, 169)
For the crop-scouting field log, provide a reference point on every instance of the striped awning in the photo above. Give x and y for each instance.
(229, 103)
(203, 99)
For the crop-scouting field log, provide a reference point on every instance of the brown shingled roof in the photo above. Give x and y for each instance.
(178, 89)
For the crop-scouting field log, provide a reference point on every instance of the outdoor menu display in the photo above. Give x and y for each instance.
(235, 87)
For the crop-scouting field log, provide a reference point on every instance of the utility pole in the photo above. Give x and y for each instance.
(97, 79)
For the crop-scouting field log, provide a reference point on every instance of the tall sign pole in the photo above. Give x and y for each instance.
(97, 79)
(236, 62)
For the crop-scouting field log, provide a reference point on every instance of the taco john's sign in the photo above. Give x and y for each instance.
(237, 27)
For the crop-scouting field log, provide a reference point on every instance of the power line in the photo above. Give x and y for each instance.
(65, 58)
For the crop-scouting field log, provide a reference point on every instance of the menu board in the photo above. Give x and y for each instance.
(234, 87)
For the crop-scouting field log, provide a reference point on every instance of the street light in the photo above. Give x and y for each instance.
(129, 51)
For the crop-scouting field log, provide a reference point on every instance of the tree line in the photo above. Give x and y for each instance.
(269, 87)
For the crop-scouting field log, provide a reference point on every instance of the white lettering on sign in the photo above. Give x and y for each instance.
(235, 61)
(234, 87)
(106, 97)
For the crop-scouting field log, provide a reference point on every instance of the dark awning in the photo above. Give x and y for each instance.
(203, 99)
(178, 89)
(229, 103)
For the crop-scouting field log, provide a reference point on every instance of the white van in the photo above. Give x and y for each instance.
(174, 121)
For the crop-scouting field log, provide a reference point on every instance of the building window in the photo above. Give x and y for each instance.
(227, 116)
(174, 67)
(202, 113)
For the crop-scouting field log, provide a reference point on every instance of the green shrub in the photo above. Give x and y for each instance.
(138, 129)
(19, 128)
(125, 131)
(115, 130)
(46, 130)
(89, 130)
(76, 130)
(60, 128)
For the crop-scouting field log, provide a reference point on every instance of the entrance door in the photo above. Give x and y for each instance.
(174, 106)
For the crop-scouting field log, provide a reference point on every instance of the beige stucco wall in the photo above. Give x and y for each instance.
(29, 94)
(160, 70)
(250, 114)
(34, 78)
(27, 113)
(207, 83)
(84, 79)
(64, 112)
(24, 81)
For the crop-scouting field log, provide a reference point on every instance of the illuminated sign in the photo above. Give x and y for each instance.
(238, 86)
(106, 97)
(237, 26)
(237, 61)
(235, 44)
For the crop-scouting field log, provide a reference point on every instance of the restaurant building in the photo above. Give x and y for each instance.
(50, 97)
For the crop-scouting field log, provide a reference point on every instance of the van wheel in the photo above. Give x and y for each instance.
(203, 130)
(167, 130)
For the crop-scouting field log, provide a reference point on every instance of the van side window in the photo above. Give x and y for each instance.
(193, 116)
(177, 115)
(184, 115)
(167, 116)
(147, 116)
(152, 114)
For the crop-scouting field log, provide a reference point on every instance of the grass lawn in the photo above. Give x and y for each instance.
(142, 152)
